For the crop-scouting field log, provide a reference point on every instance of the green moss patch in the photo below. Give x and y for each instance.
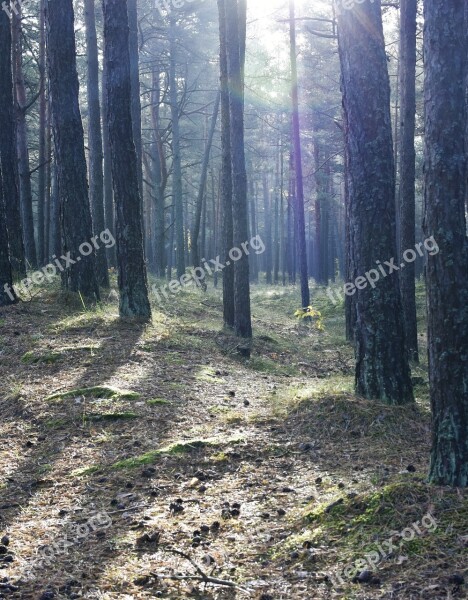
(32, 358)
(357, 523)
(157, 402)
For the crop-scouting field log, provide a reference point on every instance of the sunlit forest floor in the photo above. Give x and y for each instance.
(267, 473)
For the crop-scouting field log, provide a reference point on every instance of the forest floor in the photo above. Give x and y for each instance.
(268, 473)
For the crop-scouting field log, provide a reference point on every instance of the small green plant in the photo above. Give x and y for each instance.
(310, 314)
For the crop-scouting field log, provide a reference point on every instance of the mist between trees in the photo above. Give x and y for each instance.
(198, 275)
(242, 158)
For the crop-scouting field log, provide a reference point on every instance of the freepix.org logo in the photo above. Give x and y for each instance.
(166, 6)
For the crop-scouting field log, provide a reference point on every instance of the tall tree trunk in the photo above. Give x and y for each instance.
(444, 199)
(267, 222)
(407, 204)
(300, 218)
(43, 143)
(226, 175)
(466, 103)
(22, 142)
(278, 194)
(96, 176)
(133, 285)
(236, 15)
(109, 209)
(55, 230)
(75, 213)
(254, 259)
(48, 184)
(8, 162)
(382, 369)
(176, 158)
(350, 301)
(291, 242)
(160, 179)
(7, 293)
(202, 187)
(135, 83)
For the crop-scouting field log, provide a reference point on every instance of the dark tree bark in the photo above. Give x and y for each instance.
(55, 234)
(109, 210)
(176, 158)
(226, 175)
(444, 199)
(75, 213)
(133, 285)
(42, 246)
(407, 168)
(466, 103)
(135, 82)
(22, 143)
(48, 183)
(382, 369)
(299, 204)
(8, 160)
(235, 50)
(7, 293)
(96, 176)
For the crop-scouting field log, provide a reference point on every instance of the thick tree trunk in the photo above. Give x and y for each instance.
(135, 82)
(133, 285)
(75, 213)
(444, 199)
(300, 218)
(8, 162)
(43, 144)
(96, 176)
(382, 370)
(407, 205)
(176, 158)
(55, 230)
(466, 104)
(48, 184)
(235, 38)
(226, 175)
(22, 143)
(109, 209)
